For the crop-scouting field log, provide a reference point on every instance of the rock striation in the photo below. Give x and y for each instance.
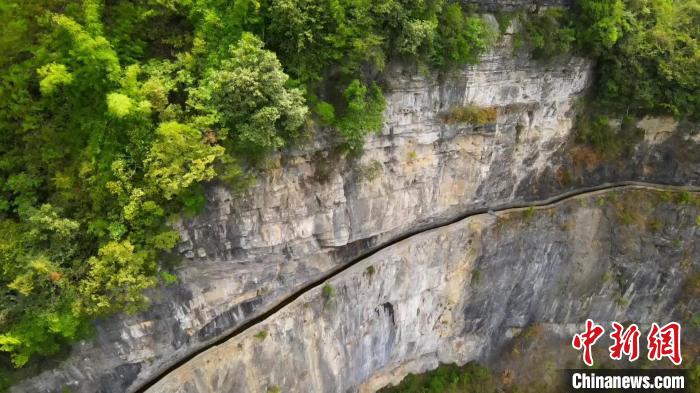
(313, 211)
(463, 292)
(516, 5)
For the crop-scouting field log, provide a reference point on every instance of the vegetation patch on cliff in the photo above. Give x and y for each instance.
(646, 54)
(605, 136)
(471, 114)
(470, 378)
(647, 51)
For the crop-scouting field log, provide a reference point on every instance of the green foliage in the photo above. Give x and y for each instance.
(52, 76)
(370, 171)
(655, 225)
(118, 275)
(325, 112)
(694, 376)
(115, 114)
(218, 24)
(90, 171)
(328, 46)
(246, 94)
(610, 141)
(470, 378)
(311, 35)
(695, 321)
(363, 114)
(646, 51)
(328, 291)
(548, 34)
(314, 38)
(685, 198)
(626, 217)
(119, 105)
(600, 134)
(461, 38)
(471, 114)
(649, 59)
(441, 34)
(476, 276)
(370, 270)
(178, 159)
(28, 336)
(529, 212)
(261, 335)
(505, 20)
(600, 24)
(416, 35)
(168, 278)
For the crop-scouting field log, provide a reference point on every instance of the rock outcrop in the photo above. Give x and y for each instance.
(515, 5)
(463, 292)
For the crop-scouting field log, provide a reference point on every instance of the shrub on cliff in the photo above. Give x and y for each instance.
(362, 115)
(472, 114)
(548, 34)
(470, 378)
(654, 65)
(246, 98)
(646, 52)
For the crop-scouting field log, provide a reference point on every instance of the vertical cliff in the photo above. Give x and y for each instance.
(468, 291)
(314, 211)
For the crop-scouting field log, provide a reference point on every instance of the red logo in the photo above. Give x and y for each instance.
(665, 342)
(625, 342)
(662, 342)
(586, 340)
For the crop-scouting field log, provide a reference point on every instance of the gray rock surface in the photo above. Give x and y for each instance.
(315, 211)
(516, 5)
(462, 292)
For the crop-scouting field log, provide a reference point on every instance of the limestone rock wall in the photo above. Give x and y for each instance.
(516, 5)
(462, 292)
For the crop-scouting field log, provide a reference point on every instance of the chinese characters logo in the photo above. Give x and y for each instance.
(662, 342)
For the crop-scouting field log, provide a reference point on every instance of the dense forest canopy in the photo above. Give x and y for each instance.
(647, 51)
(115, 113)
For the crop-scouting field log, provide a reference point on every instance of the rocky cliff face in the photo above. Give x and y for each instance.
(315, 211)
(463, 292)
(515, 5)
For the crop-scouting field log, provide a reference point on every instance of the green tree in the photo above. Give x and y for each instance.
(599, 24)
(247, 95)
(118, 275)
(179, 158)
(549, 33)
(363, 114)
(462, 38)
(654, 67)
